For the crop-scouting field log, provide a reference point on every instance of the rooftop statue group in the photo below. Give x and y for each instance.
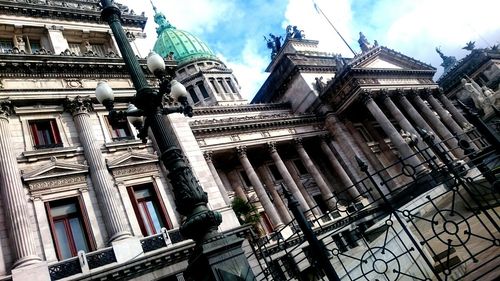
(364, 45)
(274, 42)
(482, 98)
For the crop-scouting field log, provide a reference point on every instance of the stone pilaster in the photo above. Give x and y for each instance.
(339, 170)
(436, 124)
(326, 192)
(278, 202)
(13, 198)
(215, 174)
(101, 179)
(386, 125)
(259, 189)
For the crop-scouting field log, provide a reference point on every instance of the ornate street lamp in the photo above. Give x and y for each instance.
(216, 257)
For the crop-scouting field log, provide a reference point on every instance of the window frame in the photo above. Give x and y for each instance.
(156, 198)
(54, 131)
(112, 130)
(82, 214)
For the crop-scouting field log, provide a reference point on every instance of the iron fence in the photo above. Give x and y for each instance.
(434, 221)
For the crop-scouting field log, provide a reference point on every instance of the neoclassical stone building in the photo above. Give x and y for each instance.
(84, 199)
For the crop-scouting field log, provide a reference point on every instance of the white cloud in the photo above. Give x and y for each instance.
(248, 70)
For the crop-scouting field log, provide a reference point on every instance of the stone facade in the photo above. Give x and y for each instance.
(302, 130)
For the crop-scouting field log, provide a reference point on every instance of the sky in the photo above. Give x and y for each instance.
(235, 29)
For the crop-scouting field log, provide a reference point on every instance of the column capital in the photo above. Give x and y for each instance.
(242, 151)
(399, 93)
(78, 105)
(298, 142)
(426, 93)
(208, 155)
(439, 93)
(383, 95)
(325, 137)
(365, 96)
(271, 146)
(6, 108)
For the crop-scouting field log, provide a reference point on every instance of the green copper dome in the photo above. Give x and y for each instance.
(184, 46)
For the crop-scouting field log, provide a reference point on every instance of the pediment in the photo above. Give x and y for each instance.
(131, 159)
(55, 169)
(387, 59)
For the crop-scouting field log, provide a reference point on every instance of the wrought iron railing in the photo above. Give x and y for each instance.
(435, 221)
(65, 269)
(101, 258)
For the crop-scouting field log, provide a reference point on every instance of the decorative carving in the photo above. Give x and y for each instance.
(298, 142)
(365, 97)
(383, 94)
(320, 85)
(67, 52)
(134, 170)
(271, 146)
(49, 184)
(242, 151)
(6, 108)
(130, 36)
(73, 83)
(78, 105)
(426, 93)
(208, 155)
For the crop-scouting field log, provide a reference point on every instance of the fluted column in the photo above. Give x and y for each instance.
(298, 181)
(259, 189)
(287, 178)
(215, 174)
(278, 202)
(386, 125)
(326, 192)
(437, 125)
(235, 181)
(14, 200)
(101, 179)
(459, 117)
(341, 173)
(446, 117)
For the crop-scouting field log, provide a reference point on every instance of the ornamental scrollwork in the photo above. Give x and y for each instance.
(78, 105)
(6, 108)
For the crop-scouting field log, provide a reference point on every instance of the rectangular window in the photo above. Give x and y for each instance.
(75, 48)
(120, 130)
(301, 169)
(149, 210)
(221, 83)
(70, 229)
(275, 172)
(193, 95)
(230, 83)
(6, 45)
(45, 133)
(203, 90)
(212, 81)
(35, 46)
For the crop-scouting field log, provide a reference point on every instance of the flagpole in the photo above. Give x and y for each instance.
(318, 9)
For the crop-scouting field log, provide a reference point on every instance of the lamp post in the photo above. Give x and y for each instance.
(216, 257)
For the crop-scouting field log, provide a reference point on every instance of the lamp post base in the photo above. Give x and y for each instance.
(219, 259)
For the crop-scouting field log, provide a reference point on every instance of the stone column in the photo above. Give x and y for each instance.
(14, 200)
(296, 178)
(259, 189)
(235, 181)
(404, 123)
(396, 138)
(215, 174)
(287, 178)
(464, 123)
(326, 192)
(446, 117)
(341, 173)
(278, 202)
(437, 125)
(101, 179)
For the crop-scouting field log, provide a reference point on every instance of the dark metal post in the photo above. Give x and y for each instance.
(215, 257)
(317, 247)
(492, 137)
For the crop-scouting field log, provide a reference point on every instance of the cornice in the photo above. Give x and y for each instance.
(61, 66)
(71, 10)
(213, 110)
(249, 123)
